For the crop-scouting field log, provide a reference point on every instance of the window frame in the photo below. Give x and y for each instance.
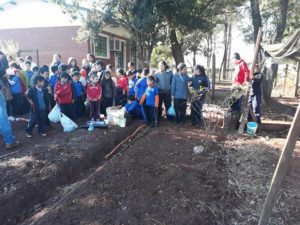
(107, 47)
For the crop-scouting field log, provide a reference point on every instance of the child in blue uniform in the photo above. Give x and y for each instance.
(200, 85)
(131, 107)
(131, 83)
(179, 91)
(79, 106)
(140, 88)
(38, 97)
(151, 97)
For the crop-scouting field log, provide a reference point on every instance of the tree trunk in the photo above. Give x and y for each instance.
(194, 59)
(256, 16)
(229, 47)
(268, 80)
(140, 53)
(148, 58)
(176, 47)
(282, 20)
(224, 68)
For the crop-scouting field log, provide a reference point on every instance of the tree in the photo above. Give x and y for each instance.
(160, 53)
(183, 17)
(141, 18)
(138, 16)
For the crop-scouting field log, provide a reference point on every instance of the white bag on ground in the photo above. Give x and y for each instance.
(68, 124)
(54, 115)
(116, 116)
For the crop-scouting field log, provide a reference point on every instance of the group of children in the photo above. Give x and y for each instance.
(27, 87)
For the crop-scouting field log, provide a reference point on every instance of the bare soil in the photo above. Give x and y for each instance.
(157, 179)
(43, 166)
(63, 179)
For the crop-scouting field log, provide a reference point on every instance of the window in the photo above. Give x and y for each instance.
(101, 47)
(122, 56)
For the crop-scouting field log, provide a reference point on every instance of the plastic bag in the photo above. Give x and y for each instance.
(171, 111)
(68, 124)
(54, 115)
(116, 116)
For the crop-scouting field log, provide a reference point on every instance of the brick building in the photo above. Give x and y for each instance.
(39, 26)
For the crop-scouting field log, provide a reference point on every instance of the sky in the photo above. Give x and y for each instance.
(36, 13)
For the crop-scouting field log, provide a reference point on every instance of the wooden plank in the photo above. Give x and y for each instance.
(281, 168)
(245, 101)
(274, 125)
(297, 79)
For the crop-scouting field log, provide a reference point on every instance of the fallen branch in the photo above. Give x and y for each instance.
(114, 151)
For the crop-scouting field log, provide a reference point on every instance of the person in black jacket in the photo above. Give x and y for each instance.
(255, 96)
(108, 92)
(39, 101)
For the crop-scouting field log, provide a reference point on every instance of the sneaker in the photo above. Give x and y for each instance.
(43, 134)
(11, 118)
(13, 145)
(28, 135)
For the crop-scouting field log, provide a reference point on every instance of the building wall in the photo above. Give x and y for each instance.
(48, 40)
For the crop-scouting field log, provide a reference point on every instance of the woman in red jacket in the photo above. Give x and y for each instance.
(64, 95)
(94, 93)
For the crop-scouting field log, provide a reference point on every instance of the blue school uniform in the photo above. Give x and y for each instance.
(150, 110)
(79, 106)
(53, 80)
(199, 83)
(78, 88)
(17, 87)
(151, 92)
(133, 109)
(131, 86)
(140, 87)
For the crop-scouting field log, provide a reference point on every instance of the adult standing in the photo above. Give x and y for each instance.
(5, 126)
(240, 78)
(179, 91)
(242, 72)
(163, 81)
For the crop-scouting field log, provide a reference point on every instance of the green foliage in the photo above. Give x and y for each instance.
(270, 10)
(9, 48)
(161, 52)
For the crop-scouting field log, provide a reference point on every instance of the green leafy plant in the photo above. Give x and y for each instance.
(9, 48)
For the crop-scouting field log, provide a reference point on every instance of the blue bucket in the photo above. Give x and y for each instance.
(252, 128)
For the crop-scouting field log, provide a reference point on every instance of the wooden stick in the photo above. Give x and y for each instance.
(109, 155)
(213, 77)
(297, 79)
(281, 169)
(245, 104)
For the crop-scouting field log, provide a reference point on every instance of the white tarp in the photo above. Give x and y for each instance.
(290, 49)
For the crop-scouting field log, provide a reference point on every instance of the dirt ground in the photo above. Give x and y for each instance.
(156, 178)
(159, 180)
(42, 167)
